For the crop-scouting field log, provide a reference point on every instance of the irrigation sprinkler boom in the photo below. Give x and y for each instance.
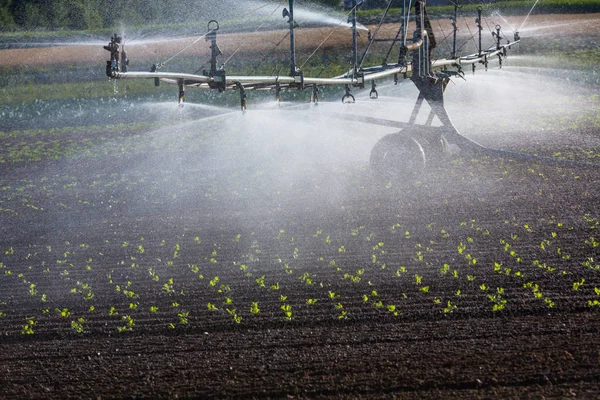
(403, 154)
(216, 78)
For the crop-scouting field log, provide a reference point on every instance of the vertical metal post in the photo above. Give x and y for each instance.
(214, 49)
(498, 28)
(418, 61)
(455, 29)
(354, 41)
(479, 27)
(292, 40)
(403, 28)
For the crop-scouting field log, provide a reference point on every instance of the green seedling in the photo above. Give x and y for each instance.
(449, 307)
(63, 312)
(78, 325)
(287, 310)
(577, 285)
(129, 324)
(27, 329)
(183, 317)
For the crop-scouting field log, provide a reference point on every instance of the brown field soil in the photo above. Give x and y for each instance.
(306, 41)
(404, 282)
(214, 259)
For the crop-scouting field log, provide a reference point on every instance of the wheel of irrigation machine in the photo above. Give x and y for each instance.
(403, 157)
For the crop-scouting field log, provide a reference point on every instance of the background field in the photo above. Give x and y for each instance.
(148, 250)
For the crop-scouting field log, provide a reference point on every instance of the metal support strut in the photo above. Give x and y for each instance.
(218, 74)
(181, 82)
(402, 156)
(243, 96)
(289, 13)
(496, 35)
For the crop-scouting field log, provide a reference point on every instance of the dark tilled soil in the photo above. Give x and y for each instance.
(403, 279)
(216, 259)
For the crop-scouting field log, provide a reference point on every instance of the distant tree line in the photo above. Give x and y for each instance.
(78, 14)
(97, 14)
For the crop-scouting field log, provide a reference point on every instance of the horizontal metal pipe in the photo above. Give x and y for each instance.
(288, 80)
(261, 79)
(167, 75)
(415, 45)
(386, 73)
(471, 58)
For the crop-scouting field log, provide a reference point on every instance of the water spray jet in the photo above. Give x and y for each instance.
(404, 154)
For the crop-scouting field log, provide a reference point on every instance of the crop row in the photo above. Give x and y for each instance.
(406, 270)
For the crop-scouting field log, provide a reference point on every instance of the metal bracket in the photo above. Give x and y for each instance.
(348, 97)
(181, 84)
(277, 92)
(114, 64)
(315, 94)
(243, 96)
(373, 93)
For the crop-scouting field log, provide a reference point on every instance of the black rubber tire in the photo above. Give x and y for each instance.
(398, 158)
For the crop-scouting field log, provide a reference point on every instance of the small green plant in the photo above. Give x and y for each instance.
(129, 324)
(418, 279)
(168, 287)
(287, 311)
(63, 312)
(343, 314)
(183, 317)
(78, 325)
(27, 329)
(392, 309)
(254, 308)
(445, 269)
(593, 303)
(449, 307)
